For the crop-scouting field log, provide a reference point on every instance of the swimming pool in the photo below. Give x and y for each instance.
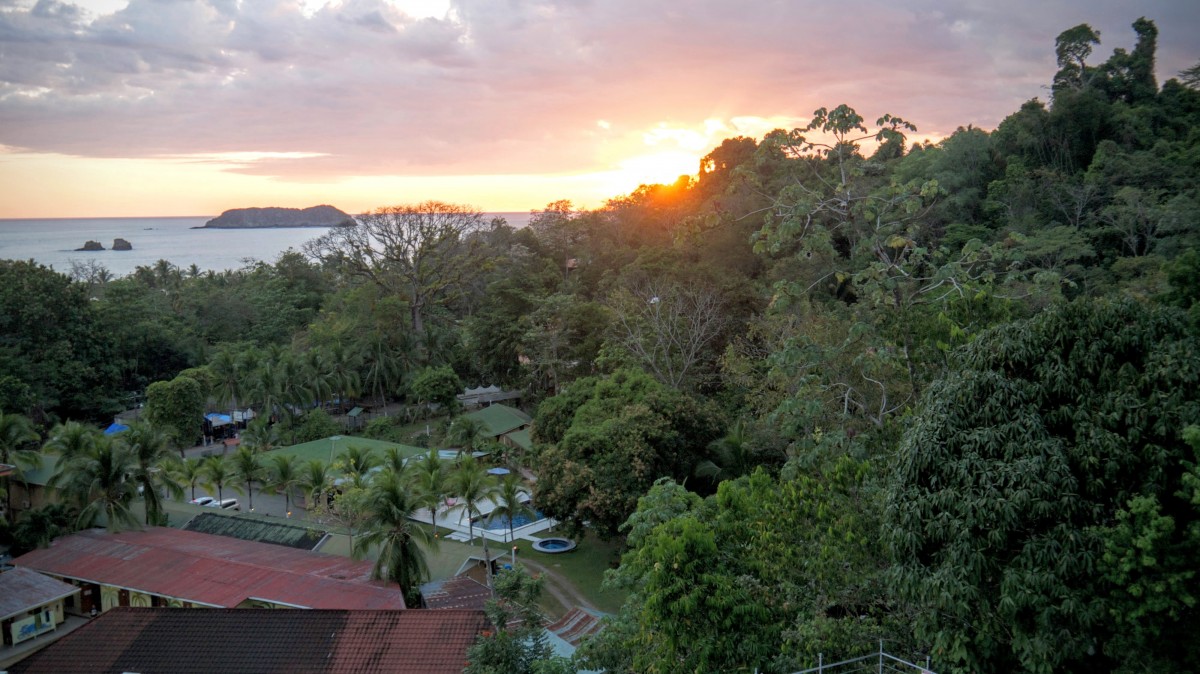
(500, 523)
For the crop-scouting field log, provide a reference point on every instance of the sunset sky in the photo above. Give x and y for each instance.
(191, 107)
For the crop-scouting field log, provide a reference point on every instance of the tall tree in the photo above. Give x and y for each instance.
(1025, 456)
(217, 472)
(609, 439)
(315, 482)
(466, 434)
(668, 328)
(248, 468)
(283, 476)
(51, 348)
(190, 472)
(472, 485)
(391, 528)
(17, 439)
(152, 455)
(430, 479)
(102, 482)
(177, 408)
(512, 501)
(70, 439)
(230, 374)
(260, 435)
(421, 252)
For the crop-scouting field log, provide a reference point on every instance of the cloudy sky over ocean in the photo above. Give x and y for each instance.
(189, 107)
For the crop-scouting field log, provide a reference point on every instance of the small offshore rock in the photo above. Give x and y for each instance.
(122, 244)
(91, 245)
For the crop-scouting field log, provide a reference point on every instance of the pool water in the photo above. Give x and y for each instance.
(501, 523)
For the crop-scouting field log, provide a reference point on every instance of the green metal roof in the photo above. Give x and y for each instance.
(521, 438)
(500, 419)
(255, 529)
(335, 446)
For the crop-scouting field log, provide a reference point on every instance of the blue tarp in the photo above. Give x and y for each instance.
(219, 419)
(115, 428)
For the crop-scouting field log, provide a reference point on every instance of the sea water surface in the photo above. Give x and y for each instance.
(53, 242)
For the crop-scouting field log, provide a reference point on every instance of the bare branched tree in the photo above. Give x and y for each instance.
(421, 252)
(668, 327)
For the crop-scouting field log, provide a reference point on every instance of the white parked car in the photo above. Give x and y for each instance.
(227, 504)
(202, 500)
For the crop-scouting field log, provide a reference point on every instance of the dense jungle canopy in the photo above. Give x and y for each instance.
(836, 387)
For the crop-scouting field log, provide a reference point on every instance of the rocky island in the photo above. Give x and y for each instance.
(247, 218)
(90, 246)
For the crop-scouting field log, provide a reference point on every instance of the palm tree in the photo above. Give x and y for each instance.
(229, 369)
(733, 455)
(189, 472)
(283, 476)
(471, 483)
(247, 468)
(430, 478)
(16, 433)
(391, 528)
(151, 452)
(292, 390)
(260, 435)
(320, 385)
(70, 439)
(384, 365)
(466, 433)
(395, 461)
(38, 527)
(314, 480)
(265, 385)
(216, 470)
(342, 365)
(357, 461)
(102, 479)
(509, 503)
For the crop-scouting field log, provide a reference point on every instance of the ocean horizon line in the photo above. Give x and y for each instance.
(177, 217)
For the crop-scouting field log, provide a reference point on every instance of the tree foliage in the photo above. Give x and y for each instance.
(626, 431)
(1050, 452)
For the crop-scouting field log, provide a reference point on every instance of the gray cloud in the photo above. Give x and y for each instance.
(503, 86)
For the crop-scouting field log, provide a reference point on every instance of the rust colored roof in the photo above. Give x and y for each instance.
(23, 589)
(213, 570)
(262, 641)
(454, 593)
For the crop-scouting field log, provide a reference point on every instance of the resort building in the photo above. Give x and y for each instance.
(507, 425)
(30, 604)
(253, 641)
(169, 567)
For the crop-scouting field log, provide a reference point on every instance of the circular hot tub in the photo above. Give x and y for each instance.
(553, 546)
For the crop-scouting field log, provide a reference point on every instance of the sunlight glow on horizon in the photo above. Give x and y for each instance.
(160, 187)
(40, 185)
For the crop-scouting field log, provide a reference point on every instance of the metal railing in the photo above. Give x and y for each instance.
(880, 663)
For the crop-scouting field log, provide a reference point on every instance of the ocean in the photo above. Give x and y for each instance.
(53, 242)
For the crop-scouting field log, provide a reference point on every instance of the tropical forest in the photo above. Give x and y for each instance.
(837, 391)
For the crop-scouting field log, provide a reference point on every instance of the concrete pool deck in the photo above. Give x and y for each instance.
(454, 518)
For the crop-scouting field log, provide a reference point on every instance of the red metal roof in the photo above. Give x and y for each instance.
(213, 570)
(261, 641)
(459, 592)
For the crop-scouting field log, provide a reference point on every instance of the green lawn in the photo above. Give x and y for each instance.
(584, 566)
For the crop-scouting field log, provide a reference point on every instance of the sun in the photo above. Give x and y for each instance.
(651, 169)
